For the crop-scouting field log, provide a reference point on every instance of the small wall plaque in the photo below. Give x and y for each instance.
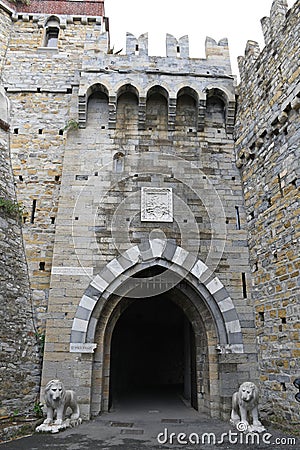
(156, 204)
(82, 348)
(63, 270)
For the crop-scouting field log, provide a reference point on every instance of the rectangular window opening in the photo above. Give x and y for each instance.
(16, 130)
(280, 185)
(40, 131)
(33, 211)
(52, 220)
(244, 285)
(56, 178)
(238, 220)
(52, 37)
(261, 316)
(42, 265)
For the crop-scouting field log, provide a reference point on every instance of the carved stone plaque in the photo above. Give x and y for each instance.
(156, 204)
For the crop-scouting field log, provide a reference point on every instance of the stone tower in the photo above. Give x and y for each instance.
(267, 145)
(126, 169)
(134, 225)
(150, 223)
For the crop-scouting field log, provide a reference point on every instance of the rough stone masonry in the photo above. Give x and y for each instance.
(267, 146)
(103, 148)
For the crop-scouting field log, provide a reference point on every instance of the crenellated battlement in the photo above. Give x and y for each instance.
(136, 46)
(266, 78)
(170, 76)
(136, 57)
(131, 167)
(267, 131)
(273, 28)
(178, 48)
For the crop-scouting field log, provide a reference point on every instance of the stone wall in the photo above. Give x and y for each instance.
(267, 145)
(35, 106)
(160, 122)
(20, 364)
(42, 86)
(5, 28)
(88, 131)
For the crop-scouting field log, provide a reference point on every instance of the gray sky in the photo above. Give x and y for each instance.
(238, 20)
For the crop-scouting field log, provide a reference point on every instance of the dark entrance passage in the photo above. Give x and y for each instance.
(153, 352)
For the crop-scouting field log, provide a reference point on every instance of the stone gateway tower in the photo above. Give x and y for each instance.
(134, 225)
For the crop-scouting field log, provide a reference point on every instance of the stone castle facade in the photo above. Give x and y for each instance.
(157, 199)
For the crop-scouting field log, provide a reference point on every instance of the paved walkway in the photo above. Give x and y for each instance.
(153, 423)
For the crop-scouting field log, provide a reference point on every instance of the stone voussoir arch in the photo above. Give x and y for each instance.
(180, 259)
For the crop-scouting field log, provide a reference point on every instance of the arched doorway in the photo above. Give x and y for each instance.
(153, 353)
(154, 270)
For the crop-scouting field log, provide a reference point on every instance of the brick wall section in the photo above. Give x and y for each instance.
(87, 7)
(268, 132)
(19, 353)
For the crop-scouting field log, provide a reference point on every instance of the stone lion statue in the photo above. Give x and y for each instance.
(58, 400)
(245, 405)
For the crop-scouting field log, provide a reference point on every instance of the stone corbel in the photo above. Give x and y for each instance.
(82, 107)
(295, 103)
(201, 114)
(171, 113)
(41, 21)
(230, 117)
(142, 113)
(112, 112)
(63, 22)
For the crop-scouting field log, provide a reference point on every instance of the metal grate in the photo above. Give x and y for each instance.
(121, 424)
(132, 431)
(171, 420)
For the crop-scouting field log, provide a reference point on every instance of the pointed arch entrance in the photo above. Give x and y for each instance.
(167, 274)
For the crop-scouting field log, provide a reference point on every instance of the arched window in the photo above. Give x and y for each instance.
(127, 108)
(119, 159)
(157, 109)
(215, 109)
(186, 110)
(52, 32)
(97, 106)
